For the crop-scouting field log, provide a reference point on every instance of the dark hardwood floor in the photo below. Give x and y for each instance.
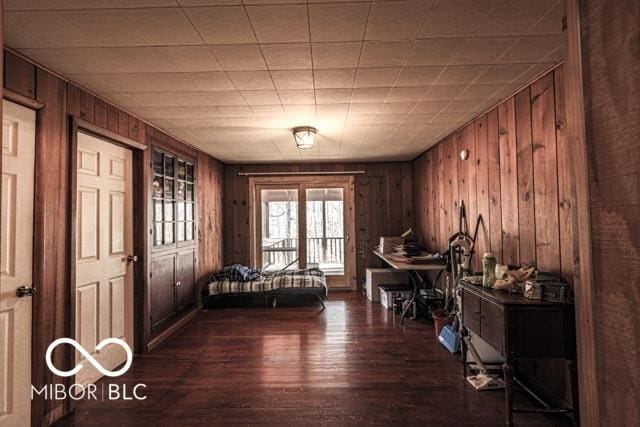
(350, 364)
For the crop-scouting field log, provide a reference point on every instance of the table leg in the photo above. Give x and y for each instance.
(463, 350)
(507, 369)
(413, 298)
(573, 370)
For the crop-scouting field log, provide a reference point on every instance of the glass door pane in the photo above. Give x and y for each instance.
(325, 230)
(279, 217)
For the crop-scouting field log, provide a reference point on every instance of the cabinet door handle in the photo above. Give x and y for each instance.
(178, 284)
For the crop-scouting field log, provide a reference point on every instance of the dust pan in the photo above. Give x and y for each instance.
(484, 381)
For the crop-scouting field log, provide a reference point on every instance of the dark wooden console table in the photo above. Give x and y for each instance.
(520, 328)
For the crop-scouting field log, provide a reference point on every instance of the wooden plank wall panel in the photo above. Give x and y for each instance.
(510, 178)
(545, 166)
(610, 47)
(51, 246)
(383, 199)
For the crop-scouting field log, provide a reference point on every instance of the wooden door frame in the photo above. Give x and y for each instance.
(303, 182)
(139, 225)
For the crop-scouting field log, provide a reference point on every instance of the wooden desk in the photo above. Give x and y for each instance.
(414, 277)
(519, 328)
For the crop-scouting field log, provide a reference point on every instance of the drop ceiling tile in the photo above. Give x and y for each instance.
(450, 118)
(141, 82)
(360, 119)
(230, 97)
(532, 49)
(260, 97)
(397, 107)
(460, 74)
(239, 57)
(422, 118)
(106, 27)
(194, 3)
(429, 106)
(478, 91)
(483, 50)
(365, 108)
(338, 21)
(442, 93)
(369, 94)
(502, 73)
(551, 23)
(395, 20)
(290, 56)
(292, 79)
(210, 81)
(279, 23)
(228, 24)
(191, 58)
(376, 77)
(267, 110)
(130, 3)
(334, 79)
(49, 5)
(330, 110)
(514, 17)
(455, 17)
(335, 55)
(50, 29)
(297, 97)
(384, 53)
(301, 113)
(17, 37)
(418, 76)
(405, 94)
(534, 71)
(234, 111)
(333, 96)
(163, 26)
(169, 99)
(251, 80)
(434, 51)
(97, 60)
(463, 106)
(385, 119)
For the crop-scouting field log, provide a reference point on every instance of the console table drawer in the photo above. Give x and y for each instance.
(471, 312)
(492, 324)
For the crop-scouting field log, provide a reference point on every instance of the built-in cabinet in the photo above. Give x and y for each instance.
(172, 285)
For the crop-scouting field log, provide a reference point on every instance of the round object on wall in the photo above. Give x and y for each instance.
(464, 154)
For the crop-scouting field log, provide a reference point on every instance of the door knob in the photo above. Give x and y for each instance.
(132, 258)
(25, 291)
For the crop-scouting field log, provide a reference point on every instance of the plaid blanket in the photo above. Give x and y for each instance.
(269, 281)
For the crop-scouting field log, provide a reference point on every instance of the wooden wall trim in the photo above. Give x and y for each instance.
(583, 278)
(83, 125)
(20, 99)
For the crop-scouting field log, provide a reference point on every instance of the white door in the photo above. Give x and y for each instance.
(18, 156)
(104, 238)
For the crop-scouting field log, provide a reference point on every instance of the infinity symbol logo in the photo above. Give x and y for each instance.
(89, 358)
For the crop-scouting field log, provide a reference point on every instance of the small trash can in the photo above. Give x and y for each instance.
(440, 319)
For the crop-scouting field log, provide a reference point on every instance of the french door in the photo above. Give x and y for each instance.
(305, 222)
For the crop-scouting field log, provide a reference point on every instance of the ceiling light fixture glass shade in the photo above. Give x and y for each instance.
(305, 136)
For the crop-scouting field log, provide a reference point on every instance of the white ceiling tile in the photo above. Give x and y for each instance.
(210, 81)
(333, 96)
(384, 53)
(551, 23)
(483, 50)
(478, 91)
(334, 79)
(502, 73)
(336, 55)
(429, 106)
(514, 17)
(442, 93)
(251, 80)
(531, 49)
(230, 97)
(367, 94)
(365, 108)
(239, 57)
(376, 77)
(338, 21)
(47, 29)
(290, 56)
(405, 94)
(193, 3)
(434, 51)
(292, 79)
(418, 76)
(279, 23)
(454, 18)
(421, 118)
(360, 119)
(221, 25)
(297, 97)
(460, 74)
(261, 97)
(397, 107)
(463, 106)
(395, 20)
(385, 119)
(163, 26)
(191, 58)
(267, 110)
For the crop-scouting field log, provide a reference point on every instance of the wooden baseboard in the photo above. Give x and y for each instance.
(183, 320)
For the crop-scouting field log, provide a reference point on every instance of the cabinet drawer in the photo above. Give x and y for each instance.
(492, 324)
(471, 311)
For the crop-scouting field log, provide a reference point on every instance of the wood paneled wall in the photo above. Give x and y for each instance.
(516, 178)
(384, 205)
(608, 40)
(51, 314)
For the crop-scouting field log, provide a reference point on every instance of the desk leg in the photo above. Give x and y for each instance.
(507, 369)
(463, 350)
(414, 282)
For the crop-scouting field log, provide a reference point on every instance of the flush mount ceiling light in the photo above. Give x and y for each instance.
(305, 136)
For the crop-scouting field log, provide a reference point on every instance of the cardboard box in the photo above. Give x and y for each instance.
(390, 292)
(383, 276)
(387, 243)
